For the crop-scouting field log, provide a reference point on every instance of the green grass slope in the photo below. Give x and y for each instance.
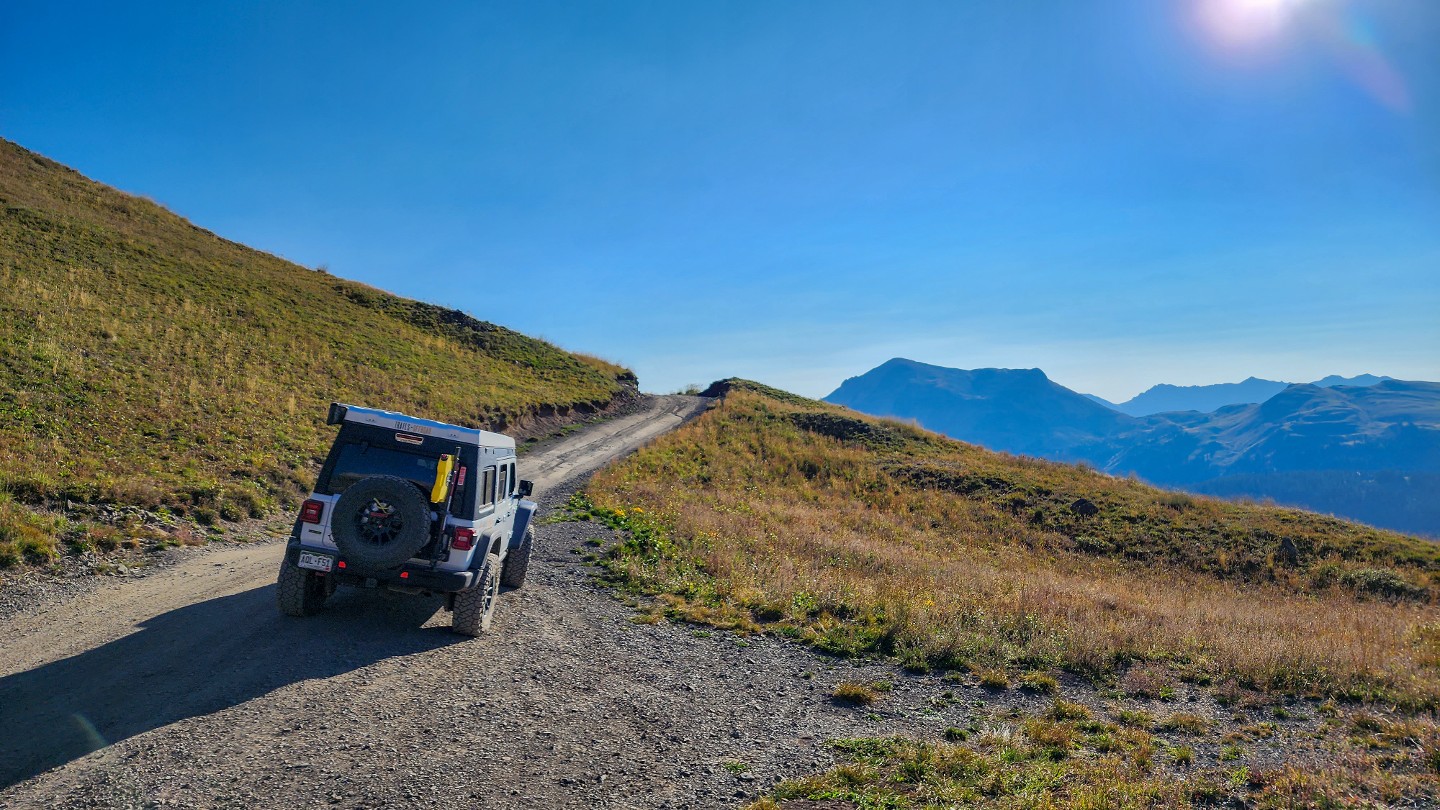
(866, 536)
(146, 361)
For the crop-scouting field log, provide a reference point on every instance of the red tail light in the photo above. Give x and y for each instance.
(311, 511)
(464, 540)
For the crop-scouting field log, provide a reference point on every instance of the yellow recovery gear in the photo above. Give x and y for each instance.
(442, 479)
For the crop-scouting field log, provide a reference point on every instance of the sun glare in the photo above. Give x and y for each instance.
(1245, 22)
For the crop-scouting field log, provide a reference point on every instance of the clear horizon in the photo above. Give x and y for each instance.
(1119, 192)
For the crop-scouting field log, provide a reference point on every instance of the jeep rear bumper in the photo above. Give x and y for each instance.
(409, 576)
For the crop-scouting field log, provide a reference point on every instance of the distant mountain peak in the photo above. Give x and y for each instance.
(1364, 380)
(1019, 410)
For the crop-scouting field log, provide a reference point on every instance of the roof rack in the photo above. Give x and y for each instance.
(340, 412)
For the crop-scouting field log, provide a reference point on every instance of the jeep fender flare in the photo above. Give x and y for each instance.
(523, 515)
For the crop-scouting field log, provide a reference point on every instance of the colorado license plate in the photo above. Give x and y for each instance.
(316, 562)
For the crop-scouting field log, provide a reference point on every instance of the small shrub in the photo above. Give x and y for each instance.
(1052, 740)
(1143, 682)
(1364, 722)
(1104, 743)
(854, 693)
(915, 664)
(1184, 723)
(1260, 730)
(994, 679)
(105, 538)
(1182, 755)
(1136, 718)
(1229, 693)
(1179, 501)
(1381, 582)
(1064, 710)
(955, 735)
(1040, 683)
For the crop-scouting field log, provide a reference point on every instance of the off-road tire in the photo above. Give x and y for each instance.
(517, 562)
(300, 592)
(474, 608)
(375, 545)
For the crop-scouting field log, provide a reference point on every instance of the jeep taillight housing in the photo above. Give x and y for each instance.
(464, 540)
(311, 511)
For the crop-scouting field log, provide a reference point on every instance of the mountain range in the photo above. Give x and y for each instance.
(1164, 398)
(1368, 451)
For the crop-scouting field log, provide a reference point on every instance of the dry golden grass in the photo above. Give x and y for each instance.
(1063, 763)
(854, 693)
(756, 515)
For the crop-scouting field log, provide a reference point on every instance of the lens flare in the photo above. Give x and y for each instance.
(1335, 25)
(1246, 22)
(1353, 44)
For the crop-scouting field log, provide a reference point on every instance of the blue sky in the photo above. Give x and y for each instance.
(1120, 192)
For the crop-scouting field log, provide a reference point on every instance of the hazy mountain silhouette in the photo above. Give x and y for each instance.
(1164, 398)
(1364, 380)
(1364, 451)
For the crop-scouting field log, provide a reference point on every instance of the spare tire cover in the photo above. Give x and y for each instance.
(380, 522)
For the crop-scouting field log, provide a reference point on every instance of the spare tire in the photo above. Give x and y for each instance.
(380, 522)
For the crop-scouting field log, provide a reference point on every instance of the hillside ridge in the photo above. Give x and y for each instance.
(146, 361)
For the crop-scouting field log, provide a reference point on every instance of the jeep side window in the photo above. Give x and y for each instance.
(504, 488)
(514, 484)
(487, 487)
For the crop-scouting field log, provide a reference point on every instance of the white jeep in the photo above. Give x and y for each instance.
(414, 506)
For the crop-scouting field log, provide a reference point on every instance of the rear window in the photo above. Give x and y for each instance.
(357, 461)
(361, 451)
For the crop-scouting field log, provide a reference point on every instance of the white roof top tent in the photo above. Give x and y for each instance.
(411, 424)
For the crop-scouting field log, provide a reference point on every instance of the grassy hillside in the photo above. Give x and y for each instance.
(146, 361)
(863, 536)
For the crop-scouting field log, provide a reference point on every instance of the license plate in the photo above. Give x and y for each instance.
(316, 562)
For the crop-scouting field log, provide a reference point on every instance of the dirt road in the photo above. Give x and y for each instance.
(187, 688)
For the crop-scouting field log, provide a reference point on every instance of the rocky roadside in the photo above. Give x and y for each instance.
(32, 587)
